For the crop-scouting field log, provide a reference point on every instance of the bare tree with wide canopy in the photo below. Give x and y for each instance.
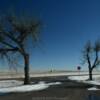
(91, 56)
(14, 33)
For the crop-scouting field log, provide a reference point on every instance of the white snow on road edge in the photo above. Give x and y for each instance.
(93, 89)
(27, 88)
(78, 78)
(10, 83)
(84, 79)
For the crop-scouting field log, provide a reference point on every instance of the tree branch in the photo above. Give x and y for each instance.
(7, 44)
(7, 49)
(95, 62)
(89, 62)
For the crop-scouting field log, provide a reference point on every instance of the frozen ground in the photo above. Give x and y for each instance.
(17, 86)
(43, 74)
(84, 79)
(10, 83)
(7, 86)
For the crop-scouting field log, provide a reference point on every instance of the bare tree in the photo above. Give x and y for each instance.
(14, 34)
(91, 56)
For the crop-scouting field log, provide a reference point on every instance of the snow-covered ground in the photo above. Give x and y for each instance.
(96, 79)
(6, 75)
(7, 86)
(17, 86)
(84, 79)
(10, 83)
(93, 89)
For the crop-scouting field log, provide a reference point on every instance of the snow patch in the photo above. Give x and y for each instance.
(24, 88)
(78, 78)
(93, 89)
(92, 82)
(84, 79)
(10, 83)
(54, 83)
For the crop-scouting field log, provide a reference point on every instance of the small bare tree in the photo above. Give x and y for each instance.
(15, 33)
(91, 56)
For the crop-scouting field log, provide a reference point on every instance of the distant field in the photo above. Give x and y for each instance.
(4, 75)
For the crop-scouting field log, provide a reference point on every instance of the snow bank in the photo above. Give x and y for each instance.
(93, 89)
(24, 88)
(78, 78)
(94, 82)
(84, 79)
(55, 83)
(10, 83)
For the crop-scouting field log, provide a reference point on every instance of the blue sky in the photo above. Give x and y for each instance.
(67, 26)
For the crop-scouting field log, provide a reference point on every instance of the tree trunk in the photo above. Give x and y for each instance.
(90, 74)
(26, 69)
